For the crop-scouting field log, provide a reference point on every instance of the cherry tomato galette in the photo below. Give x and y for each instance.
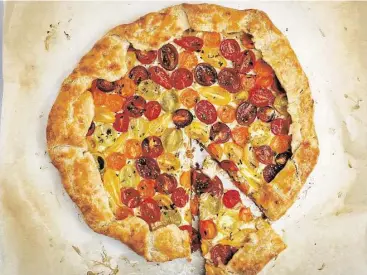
(121, 132)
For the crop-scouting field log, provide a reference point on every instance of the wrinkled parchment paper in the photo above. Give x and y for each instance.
(41, 230)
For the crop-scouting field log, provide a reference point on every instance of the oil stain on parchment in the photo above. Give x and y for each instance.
(55, 32)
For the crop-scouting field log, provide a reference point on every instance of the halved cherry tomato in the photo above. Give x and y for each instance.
(130, 197)
(215, 150)
(116, 161)
(211, 39)
(228, 165)
(187, 60)
(245, 214)
(265, 81)
(194, 205)
(121, 123)
(159, 76)
(150, 211)
(185, 179)
(153, 109)
(266, 114)
(280, 144)
(240, 135)
(135, 106)
(147, 167)
(205, 112)
(138, 74)
(180, 197)
(146, 188)
(216, 188)
(114, 102)
(133, 149)
(168, 57)
(264, 154)
(261, 97)
(247, 82)
(246, 113)
(208, 230)
(99, 97)
(200, 182)
(220, 133)
(189, 97)
(270, 171)
(123, 212)
(152, 147)
(262, 68)
(280, 126)
(281, 159)
(229, 80)
(166, 183)
(182, 118)
(205, 74)
(181, 78)
(231, 198)
(126, 86)
(227, 113)
(104, 85)
(230, 49)
(245, 62)
(247, 42)
(146, 57)
(190, 43)
(222, 254)
(91, 129)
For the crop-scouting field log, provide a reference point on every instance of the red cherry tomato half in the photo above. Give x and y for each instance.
(245, 62)
(150, 211)
(91, 129)
(146, 57)
(153, 109)
(152, 147)
(264, 154)
(229, 80)
(205, 74)
(200, 182)
(159, 76)
(182, 118)
(180, 197)
(230, 49)
(220, 133)
(147, 168)
(105, 86)
(206, 112)
(228, 165)
(181, 78)
(190, 43)
(130, 197)
(121, 123)
(246, 113)
(266, 114)
(270, 171)
(135, 106)
(231, 198)
(222, 254)
(166, 183)
(168, 57)
(138, 74)
(261, 97)
(280, 126)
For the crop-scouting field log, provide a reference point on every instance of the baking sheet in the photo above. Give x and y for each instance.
(42, 232)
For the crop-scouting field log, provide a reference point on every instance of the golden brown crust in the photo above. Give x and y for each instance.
(73, 112)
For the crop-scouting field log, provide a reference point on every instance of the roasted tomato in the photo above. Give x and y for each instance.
(182, 118)
(208, 230)
(152, 147)
(147, 167)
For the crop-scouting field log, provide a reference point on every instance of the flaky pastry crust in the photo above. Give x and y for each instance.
(73, 111)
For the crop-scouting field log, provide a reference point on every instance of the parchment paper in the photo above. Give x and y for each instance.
(42, 232)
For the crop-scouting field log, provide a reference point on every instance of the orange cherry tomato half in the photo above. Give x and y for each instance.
(227, 113)
(133, 149)
(187, 60)
(211, 39)
(262, 68)
(185, 179)
(116, 161)
(123, 212)
(189, 97)
(231, 198)
(215, 150)
(240, 135)
(127, 86)
(194, 205)
(114, 102)
(265, 81)
(245, 214)
(146, 188)
(208, 230)
(280, 144)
